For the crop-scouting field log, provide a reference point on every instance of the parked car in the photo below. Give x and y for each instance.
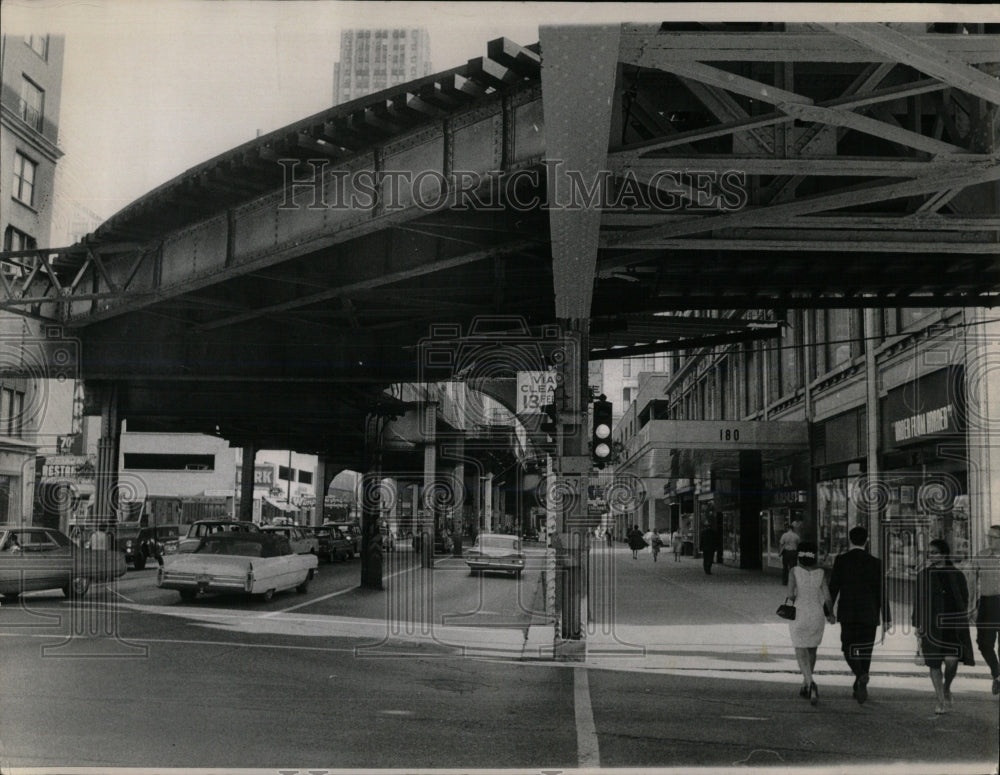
(148, 543)
(302, 541)
(351, 531)
(251, 563)
(333, 545)
(495, 552)
(35, 558)
(205, 527)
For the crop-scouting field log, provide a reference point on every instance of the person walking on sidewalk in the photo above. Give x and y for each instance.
(635, 541)
(708, 547)
(788, 547)
(807, 588)
(676, 543)
(856, 589)
(987, 569)
(656, 543)
(941, 619)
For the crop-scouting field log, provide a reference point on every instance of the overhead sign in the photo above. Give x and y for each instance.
(535, 389)
(263, 476)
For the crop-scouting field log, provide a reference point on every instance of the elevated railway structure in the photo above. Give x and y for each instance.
(637, 186)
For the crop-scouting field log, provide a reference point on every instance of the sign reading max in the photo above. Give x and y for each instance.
(926, 407)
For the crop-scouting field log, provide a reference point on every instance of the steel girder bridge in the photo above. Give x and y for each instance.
(641, 184)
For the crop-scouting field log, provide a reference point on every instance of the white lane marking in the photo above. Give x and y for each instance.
(747, 718)
(587, 752)
(339, 592)
(193, 642)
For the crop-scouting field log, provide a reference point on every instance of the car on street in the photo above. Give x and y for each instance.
(148, 543)
(246, 563)
(302, 541)
(35, 558)
(333, 545)
(495, 552)
(351, 531)
(205, 527)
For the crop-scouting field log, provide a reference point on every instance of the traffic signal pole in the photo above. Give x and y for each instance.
(573, 466)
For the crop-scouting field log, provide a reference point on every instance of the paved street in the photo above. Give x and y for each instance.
(694, 671)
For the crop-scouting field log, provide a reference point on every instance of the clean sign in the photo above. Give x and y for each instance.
(535, 389)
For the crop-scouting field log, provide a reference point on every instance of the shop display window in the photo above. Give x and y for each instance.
(836, 513)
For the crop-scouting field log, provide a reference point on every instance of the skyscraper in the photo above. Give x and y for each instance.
(375, 59)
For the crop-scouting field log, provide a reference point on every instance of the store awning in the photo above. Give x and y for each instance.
(280, 505)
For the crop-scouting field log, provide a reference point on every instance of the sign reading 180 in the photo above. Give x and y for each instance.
(729, 434)
(535, 389)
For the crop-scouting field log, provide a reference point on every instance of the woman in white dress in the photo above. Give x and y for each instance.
(813, 608)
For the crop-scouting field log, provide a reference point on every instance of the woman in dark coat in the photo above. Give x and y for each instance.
(636, 541)
(941, 619)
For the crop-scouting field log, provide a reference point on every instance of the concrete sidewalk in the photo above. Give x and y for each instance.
(671, 616)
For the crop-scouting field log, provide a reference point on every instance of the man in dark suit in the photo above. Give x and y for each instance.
(856, 590)
(709, 544)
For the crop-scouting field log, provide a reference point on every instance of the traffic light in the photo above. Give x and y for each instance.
(600, 441)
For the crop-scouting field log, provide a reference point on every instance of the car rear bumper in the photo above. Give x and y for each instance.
(492, 563)
(201, 582)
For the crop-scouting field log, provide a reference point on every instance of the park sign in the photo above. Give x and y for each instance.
(535, 389)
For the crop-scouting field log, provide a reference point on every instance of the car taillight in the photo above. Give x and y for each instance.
(248, 584)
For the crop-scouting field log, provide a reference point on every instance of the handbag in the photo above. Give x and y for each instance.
(785, 610)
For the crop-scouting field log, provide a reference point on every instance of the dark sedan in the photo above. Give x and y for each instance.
(34, 558)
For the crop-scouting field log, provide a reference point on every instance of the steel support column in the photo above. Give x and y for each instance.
(247, 482)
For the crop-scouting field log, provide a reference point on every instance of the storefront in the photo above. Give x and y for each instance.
(785, 499)
(838, 454)
(924, 467)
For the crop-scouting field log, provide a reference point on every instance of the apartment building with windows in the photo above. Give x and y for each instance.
(375, 59)
(31, 77)
(873, 417)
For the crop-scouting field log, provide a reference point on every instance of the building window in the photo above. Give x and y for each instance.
(626, 397)
(11, 412)
(32, 104)
(791, 349)
(627, 367)
(838, 331)
(39, 44)
(24, 179)
(19, 266)
(305, 477)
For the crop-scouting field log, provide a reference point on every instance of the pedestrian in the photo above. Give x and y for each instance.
(708, 547)
(677, 544)
(635, 541)
(807, 588)
(788, 547)
(656, 543)
(857, 590)
(941, 619)
(987, 570)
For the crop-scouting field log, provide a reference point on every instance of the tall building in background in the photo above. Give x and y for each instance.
(31, 73)
(374, 59)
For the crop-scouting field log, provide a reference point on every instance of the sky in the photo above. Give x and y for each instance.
(152, 88)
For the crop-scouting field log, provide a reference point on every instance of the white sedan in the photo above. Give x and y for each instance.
(244, 563)
(495, 551)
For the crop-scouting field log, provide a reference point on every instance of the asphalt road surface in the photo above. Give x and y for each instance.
(344, 678)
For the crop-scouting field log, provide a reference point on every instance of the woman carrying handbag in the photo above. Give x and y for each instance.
(813, 608)
(941, 619)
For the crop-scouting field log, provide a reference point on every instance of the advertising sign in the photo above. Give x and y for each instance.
(535, 389)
